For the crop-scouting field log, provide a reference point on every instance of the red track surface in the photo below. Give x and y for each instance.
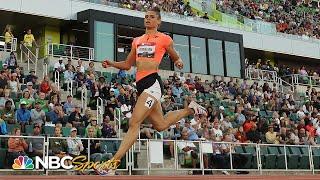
(207, 177)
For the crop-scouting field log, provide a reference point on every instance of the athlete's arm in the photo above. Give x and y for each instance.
(174, 56)
(124, 65)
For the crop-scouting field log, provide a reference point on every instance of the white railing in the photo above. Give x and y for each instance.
(69, 51)
(269, 76)
(259, 74)
(70, 87)
(117, 118)
(57, 79)
(30, 56)
(44, 70)
(100, 111)
(298, 79)
(84, 98)
(8, 47)
(238, 156)
(284, 86)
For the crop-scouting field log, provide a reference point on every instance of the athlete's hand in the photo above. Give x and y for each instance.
(179, 64)
(106, 64)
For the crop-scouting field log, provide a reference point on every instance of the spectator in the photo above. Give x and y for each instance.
(55, 116)
(23, 115)
(81, 67)
(20, 75)
(58, 147)
(191, 131)
(6, 98)
(36, 145)
(32, 92)
(7, 114)
(91, 68)
(68, 106)
(75, 117)
(271, 136)
(107, 130)
(16, 146)
(188, 147)
(75, 146)
(216, 131)
(69, 64)
(14, 85)
(38, 116)
(68, 75)
(43, 102)
(59, 66)
(86, 117)
(45, 85)
(167, 105)
(95, 147)
(3, 82)
(177, 90)
(3, 127)
(11, 61)
(93, 124)
(29, 39)
(8, 37)
(31, 77)
(27, 99)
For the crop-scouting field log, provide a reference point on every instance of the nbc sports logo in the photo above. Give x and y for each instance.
(23, 162)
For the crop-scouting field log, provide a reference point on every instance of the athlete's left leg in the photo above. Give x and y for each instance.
(161, 123)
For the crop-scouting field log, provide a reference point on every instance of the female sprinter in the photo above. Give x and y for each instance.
(147, 52)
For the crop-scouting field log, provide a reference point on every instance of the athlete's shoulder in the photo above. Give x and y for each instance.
(163, 35)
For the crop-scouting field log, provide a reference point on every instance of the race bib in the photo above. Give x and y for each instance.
(146, 50)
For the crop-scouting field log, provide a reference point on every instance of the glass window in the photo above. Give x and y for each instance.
(215, 57)
(233, 63)
(103, 40)
(181, 45)
(198, 55)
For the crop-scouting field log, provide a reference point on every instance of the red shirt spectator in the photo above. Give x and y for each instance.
(247, 126)
(45, 85)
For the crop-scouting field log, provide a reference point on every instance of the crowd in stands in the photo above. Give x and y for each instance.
(305, 75)
(295, 17)
(237, 111)
(174, 6)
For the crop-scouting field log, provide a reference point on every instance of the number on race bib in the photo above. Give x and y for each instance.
(149, 102)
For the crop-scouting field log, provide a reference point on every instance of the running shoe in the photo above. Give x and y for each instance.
(108, 168)
(197, 108)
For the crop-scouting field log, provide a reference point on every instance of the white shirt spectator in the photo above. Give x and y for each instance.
(82, 69)
(300, 114)
(183, 144)
(75, 146)
(59, 65)
(217, 132)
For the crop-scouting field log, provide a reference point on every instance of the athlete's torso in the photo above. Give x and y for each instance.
(149, 52)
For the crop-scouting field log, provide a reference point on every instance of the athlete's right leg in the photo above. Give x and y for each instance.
(144, 106)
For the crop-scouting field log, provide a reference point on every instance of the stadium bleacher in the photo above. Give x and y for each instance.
(262, 126)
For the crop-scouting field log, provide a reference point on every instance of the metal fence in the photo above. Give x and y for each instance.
(8, 47)
(69, 51)
(259, 74)
(189, 156)
(298, 79)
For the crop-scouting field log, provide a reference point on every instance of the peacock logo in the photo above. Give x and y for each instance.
(23, 163)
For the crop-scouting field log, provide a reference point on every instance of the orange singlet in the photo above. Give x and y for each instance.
(150, 48)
